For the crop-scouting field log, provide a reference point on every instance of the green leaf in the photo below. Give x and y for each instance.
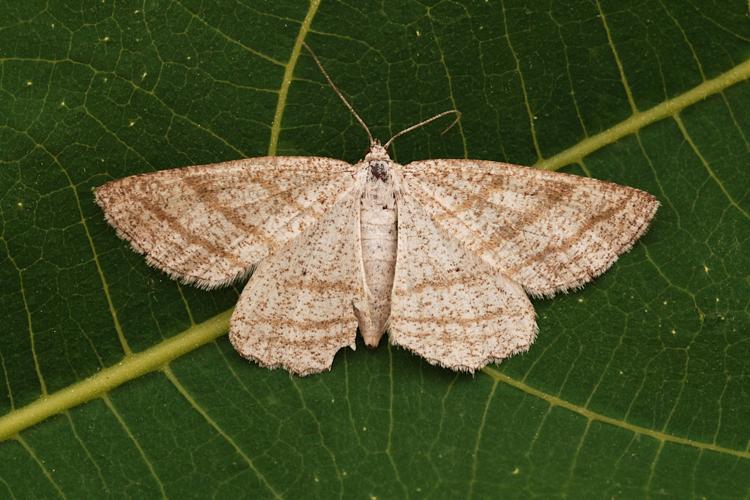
(116, 381)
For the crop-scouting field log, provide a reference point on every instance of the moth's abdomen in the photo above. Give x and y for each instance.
(378, 224)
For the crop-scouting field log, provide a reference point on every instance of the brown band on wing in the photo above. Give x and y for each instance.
(228, 213)
(458, 321)
(187, 235)
(527, 219)
(555, 197)
(318, 285)
(464, 279)
(572, 239)
(308, 324)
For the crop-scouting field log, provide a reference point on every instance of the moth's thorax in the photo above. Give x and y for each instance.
(379, 193)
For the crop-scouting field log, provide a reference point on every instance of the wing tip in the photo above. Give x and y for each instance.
(106, 197)
(643, 218)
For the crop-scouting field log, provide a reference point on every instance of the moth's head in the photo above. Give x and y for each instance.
(377, 152)
(377, 162)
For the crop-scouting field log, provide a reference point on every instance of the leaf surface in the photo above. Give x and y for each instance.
(118, 382)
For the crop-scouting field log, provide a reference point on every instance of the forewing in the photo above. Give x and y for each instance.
(548, 231)
(210, 224)
(297, 310)
(448, 305)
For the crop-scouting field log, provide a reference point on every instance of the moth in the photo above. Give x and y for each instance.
(442, 254)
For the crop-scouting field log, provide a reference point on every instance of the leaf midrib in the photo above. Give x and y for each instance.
(160, 355)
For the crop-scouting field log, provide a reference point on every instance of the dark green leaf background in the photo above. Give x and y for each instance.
(111, 383)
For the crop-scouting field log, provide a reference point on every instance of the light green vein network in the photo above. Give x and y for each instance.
(159, 356)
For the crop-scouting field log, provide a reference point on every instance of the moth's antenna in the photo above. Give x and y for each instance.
(425, 122)
(338, 93)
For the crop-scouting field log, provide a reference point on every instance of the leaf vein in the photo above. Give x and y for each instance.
(618, 62)
(44, 470)
(135, 442)
(635, 122)
(189, 398)
(660, 436)
(286, 82)
(478, 440)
